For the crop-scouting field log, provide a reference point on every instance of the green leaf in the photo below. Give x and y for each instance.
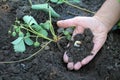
(60, 1)
(54, 1)
(29, 20)
(70, 30)
(57, 1)
(28, 41)
(43, 32)
(36, 27)
(20, 47)
(118, 24)
(46, 25)
(27, 34)
(76, 1)
(14, 26)
(68, 37)
(21, 34)
(66, 32)
(45, 7)
(18, 40)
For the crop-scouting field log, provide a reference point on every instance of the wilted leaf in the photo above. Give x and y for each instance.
(46, 8)
(29, 20)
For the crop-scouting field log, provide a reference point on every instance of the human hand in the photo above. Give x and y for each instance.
(98, 29)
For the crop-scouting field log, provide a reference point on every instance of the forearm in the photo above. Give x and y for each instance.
(109, 13)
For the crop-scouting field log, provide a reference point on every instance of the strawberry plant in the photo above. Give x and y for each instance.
(68, 32)
(118, 24)
(30, 28)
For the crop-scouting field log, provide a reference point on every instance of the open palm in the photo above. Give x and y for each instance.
(98, 29)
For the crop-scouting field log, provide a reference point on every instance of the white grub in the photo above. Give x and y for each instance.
(77, 43)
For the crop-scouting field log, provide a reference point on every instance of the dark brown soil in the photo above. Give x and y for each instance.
(48, 64)
(82, 49)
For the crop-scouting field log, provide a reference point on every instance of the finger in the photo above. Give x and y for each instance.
(98, 43)
(78, 30)
(87, 59)
(67, 23)
(65, 57)
(70, 65)
(77, 66)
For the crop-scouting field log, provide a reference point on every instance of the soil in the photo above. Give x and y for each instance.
(48, 64)
(81, 46)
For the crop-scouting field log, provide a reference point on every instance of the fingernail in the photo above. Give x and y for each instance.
(87, 59)
(65, 57)
(70, 65)
(60, 21)
(77, 66)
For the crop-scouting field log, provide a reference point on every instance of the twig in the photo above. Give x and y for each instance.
(72, 13)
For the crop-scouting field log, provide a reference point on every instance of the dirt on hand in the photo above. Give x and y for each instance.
(81, 46)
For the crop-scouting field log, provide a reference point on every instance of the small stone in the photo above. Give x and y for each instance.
(47, 48)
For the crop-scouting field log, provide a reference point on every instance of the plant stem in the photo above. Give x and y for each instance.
(83, 9)
(72, 13)
(47, 1)
(51, 26)
(40, 35)
(30, 2)
(29, 57)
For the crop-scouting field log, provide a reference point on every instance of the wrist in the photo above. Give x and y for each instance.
(108, 25)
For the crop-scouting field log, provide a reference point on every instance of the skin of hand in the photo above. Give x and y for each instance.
(100, 24)
(98, 29)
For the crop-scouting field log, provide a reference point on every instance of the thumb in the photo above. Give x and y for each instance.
(67, 23)
(98, 43)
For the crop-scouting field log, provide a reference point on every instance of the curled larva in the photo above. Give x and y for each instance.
(77, 43)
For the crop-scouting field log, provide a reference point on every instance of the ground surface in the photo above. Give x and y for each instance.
(48, 64)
